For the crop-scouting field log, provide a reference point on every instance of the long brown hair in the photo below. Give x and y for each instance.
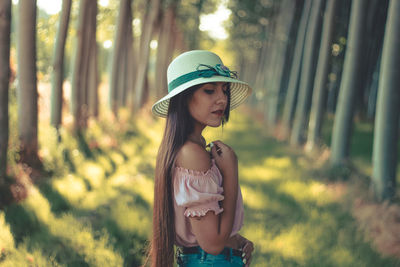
(179, 126)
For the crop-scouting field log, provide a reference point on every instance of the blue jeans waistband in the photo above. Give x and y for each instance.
(196, 256)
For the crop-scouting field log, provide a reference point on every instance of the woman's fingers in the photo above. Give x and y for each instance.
(217, 148)
(214, 151)
(247, 251)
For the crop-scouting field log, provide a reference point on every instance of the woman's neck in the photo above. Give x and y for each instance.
(196, 136)
(198, 139)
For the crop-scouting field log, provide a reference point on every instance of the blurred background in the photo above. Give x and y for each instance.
(317, 140)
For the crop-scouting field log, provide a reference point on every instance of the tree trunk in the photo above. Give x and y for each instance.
(144, 54)
(57, 75)
(93, 73)
(259, 80)
(131, 66)
(5, 30)
(77, 82)
(291, 95)
(165, 50)
(80, 81)
(386, 131)
(311, 47)
(118, 70)
(27, 83)
(350, 83)
(321, 77)
(283, 27)
(89, 56)
(375, 27)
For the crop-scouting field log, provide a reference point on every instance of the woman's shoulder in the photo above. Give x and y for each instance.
(192, 156)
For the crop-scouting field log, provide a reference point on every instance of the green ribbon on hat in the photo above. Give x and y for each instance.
(218, 70)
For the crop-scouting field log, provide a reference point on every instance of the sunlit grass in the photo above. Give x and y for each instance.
(96, 208)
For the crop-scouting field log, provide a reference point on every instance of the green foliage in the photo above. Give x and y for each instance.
(247, 25)
(6, 238)
(46, 35)
(189, 13)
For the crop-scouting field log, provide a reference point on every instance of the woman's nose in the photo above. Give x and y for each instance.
(222, 97)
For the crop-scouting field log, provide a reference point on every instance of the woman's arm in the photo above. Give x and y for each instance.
(213, 231)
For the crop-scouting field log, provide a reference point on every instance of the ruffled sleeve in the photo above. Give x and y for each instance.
(198, 192)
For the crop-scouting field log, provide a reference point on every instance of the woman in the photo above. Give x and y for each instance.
(197, 201)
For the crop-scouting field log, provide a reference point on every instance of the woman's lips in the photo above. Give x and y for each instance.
(218, 112)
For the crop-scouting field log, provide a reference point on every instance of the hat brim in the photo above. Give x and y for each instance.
(239, 92)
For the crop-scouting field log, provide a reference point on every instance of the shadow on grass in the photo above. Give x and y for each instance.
(288, 215)
(26, 229)
(58, 203)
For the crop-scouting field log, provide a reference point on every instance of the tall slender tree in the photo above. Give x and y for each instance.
(122, 43)
(165, 46)
(283, 27)
(307, 76)
(350, 83)
(295, 71)
(259, 80)
(57, 75)
(5, 30)
(144, 54)
(27, 83)
(386, 133)
(93, 72)
(375, 27)
(321, 77)
(81, 70)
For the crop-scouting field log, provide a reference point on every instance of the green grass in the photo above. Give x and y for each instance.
(95, 209)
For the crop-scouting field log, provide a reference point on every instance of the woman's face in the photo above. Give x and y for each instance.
(208, 103)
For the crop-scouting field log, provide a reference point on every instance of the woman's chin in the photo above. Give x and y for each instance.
(215, 124)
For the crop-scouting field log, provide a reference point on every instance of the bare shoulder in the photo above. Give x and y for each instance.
(193, 157)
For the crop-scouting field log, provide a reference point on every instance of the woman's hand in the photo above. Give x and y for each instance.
(225, 158)
(247, 249)
(239, 242)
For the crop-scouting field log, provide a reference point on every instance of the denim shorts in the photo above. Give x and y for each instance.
(202, 258)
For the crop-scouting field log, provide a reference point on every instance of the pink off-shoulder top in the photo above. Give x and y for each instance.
(196, 193)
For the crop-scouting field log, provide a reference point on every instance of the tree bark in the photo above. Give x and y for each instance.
(77, 82)
(131, 65)
(5, 31)
(283, 27)
(141, 78)
(27, 83)
(57, 75)
(80, 78)
(307, 76)
(119, 74)
(165, 49)
(291, 95)
(259, 80)
(321, 77)
(375, 27)
(93, 73)
(386, 131)
(350, 83)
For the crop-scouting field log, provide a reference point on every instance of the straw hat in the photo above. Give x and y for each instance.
(198, 67)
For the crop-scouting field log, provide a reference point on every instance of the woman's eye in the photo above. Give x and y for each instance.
(208, 91)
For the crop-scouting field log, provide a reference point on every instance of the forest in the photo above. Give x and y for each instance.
(317, 141)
